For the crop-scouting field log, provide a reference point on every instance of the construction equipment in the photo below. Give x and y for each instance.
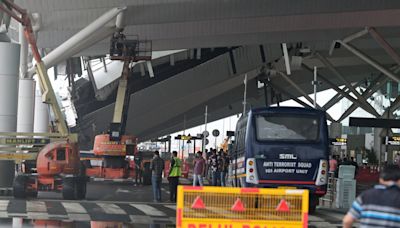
(57, 164)
(114, 147)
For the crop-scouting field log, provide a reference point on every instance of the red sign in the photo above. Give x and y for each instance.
(238, 206)
(283, 206)
(198, 203)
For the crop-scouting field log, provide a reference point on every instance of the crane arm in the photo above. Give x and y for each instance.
(48, 95)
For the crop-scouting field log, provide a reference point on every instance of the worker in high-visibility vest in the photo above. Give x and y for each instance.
(174, 174)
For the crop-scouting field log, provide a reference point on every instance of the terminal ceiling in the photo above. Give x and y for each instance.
(243, 25)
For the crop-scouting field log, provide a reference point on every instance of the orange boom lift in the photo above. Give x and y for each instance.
(57, 164)
(114, 147)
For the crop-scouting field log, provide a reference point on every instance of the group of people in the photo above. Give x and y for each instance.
(218, 165)
(335, 162)
(215, 166)
(157, 167)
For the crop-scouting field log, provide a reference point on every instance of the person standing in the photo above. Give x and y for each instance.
(138, 168)
(199, 168)
(224, 167)
(333, 164)
(174, 174)
(397, 159)
(354, 163)
(380, 206)
(214, 166)
(208, 171)
(157, 167)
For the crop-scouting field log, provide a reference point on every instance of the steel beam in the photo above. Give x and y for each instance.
(339, 96)
(279, 89)
(360, 100)
(370, 61)
(345, 94)
(301, 91)
(23, 58)
(348, 39)
(393, 106)
(286, 57)
(94, 32)
(384, 44)
(355, 35)
(334, 100)
(367, 93)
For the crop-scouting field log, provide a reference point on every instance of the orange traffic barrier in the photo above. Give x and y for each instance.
(221, 207)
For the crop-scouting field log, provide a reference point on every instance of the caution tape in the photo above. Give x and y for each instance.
(241, 207)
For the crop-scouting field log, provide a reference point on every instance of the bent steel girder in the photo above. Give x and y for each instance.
(378, 83)
(360, 100)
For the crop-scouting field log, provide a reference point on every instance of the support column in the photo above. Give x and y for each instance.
(41, 119)
(9, 65)
(26, 105)
(335, 130)
(378, 147)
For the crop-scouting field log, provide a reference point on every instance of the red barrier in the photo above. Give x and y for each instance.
(185, 169)
(368, 174)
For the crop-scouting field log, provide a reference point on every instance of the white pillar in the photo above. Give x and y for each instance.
(23, 68)
(41, 117)
(26, 105)
(9, 65)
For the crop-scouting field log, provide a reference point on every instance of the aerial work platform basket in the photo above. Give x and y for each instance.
(223, 207)
(130, 48)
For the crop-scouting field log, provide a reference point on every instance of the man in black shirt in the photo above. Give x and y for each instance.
(157, 167)
(214, 163)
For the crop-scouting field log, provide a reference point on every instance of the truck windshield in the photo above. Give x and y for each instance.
(286, 128)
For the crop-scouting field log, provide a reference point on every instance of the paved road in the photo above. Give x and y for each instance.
(119, 202)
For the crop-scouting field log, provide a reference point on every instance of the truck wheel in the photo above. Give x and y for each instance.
(19, 187)
(81, 188)
(69, 188)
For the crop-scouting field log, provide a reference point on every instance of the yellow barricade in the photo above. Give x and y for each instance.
(223, 207)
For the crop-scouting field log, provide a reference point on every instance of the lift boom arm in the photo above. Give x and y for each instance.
(48, 95)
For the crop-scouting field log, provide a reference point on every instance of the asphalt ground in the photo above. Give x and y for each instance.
(122, 203)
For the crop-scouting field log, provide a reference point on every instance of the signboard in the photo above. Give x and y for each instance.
(110, 149)
(215, 133)
(374, 122)
(184, 137)
(392, 140)
(16, 141)
(338, 141)
(279, 168)
(18, 156)
(187, 137)
(223, 207)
